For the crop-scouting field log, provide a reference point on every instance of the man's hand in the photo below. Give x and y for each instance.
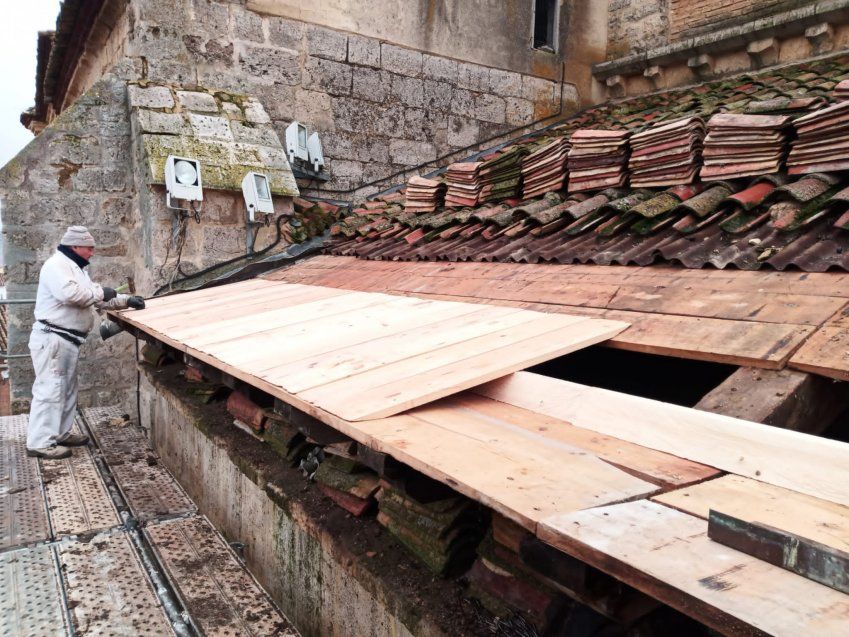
(135, 302)
(109, 294)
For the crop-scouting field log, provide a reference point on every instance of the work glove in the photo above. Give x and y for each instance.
(109, 294)
(135, 302)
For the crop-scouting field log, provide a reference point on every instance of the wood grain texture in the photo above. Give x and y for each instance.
(350, 353)
(783, 458)
(668, 555)
(754, 501)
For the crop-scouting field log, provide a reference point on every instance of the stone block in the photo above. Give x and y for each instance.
(255, 113)
(437, 95)
(150, 97)
(277, 100)
(326, 75)
(327, 43)
(821, 37)
(73, 149)
(214, 17)
(354, 115)
(273, 157)
(158, 122)
(463, 102)
(399, 60)
(314, 108)
(376, 172)
(472, 77)
(462, 132)
(363, 51)
(616, 86)
(285, 33)
(701, 65)
(408, 90)
(263, 135)
(210, 126)
(763, 52)
(371, 84)
(158, 40)
(347, 170)
(439, 68)
(197, 101)
(232, 111)
(537, 89)
(221, 242)
(271, 65)
(490, 108)
(410, 152)
(247, 25)
(505, 83)
(116, 211)
(656, 76)
(209, 51)
(518, 111)
(165, 70)
(390, 121)
(87, 179)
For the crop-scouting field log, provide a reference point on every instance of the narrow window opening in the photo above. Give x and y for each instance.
(545, 24)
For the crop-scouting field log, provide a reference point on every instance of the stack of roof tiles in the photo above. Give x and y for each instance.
(463, 181)
(501, 175)
(841, 91)
(544, 170)
(744, 145)
(424, 195)
(822, 141)
(667, 155)
(598, 159)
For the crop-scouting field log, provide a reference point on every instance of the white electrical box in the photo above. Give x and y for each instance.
(296, 142)
(315, 151)
(182, 179)
(257, 193)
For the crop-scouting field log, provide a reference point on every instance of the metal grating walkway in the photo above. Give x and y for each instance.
(69, 565)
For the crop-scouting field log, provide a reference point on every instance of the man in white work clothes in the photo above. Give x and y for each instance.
(63, 318)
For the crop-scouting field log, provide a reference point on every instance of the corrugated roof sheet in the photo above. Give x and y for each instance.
(774, 219)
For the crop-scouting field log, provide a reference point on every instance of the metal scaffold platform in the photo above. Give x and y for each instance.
(107, 542)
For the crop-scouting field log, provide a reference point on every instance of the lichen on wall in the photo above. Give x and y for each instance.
(229, 134)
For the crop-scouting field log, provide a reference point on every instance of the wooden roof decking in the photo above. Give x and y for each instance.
(359, 355)
(617, 481)
(769, 320)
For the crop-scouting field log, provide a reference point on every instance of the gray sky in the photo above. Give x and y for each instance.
(19, 27)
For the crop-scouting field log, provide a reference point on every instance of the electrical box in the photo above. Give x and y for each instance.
(257, 193)
(296, 142)
(182, 179)
(315, 151)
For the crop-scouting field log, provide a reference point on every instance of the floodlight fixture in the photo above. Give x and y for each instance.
(296, 142)
(315, 152)
(182, 179)
(256, 190)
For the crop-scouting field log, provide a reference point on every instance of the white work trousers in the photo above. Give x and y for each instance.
(54, 392)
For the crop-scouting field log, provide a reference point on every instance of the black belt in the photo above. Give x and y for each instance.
(65, 332)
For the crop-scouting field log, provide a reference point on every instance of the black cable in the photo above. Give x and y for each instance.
(241, 257)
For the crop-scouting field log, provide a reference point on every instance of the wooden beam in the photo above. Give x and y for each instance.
(783, 398)
(818, 562)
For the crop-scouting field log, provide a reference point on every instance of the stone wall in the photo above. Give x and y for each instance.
(380, 108)
(75, 172)
(633, 27)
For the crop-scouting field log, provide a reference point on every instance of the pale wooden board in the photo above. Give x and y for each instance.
(254, 330)
(827, 351)
(782, 302)
(655, 466)
(668, 555)
(754, 501)
(521, 478)
(784, 458)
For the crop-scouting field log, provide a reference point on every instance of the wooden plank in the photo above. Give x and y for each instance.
(783, 398)
(754, 501)
(415, 381)
(392, 347)
(817, 562)
(654, 466)
(668, 555)
(826, 352)
(179, 299)
(524, 482)
(733, 445)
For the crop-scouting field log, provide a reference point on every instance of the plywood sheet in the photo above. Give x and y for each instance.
(353, 348)
(667, 554)
(783, 458)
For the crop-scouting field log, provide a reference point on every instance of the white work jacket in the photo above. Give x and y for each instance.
(66, 295)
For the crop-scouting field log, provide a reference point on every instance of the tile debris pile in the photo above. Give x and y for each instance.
(667, 155)
(757, 214)
(744, 145)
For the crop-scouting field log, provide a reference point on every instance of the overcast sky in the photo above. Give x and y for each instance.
(20, 23)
